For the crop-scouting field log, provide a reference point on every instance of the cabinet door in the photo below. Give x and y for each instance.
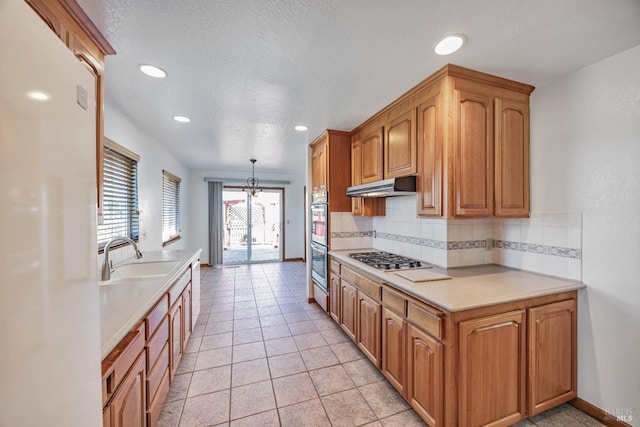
(175, 335)
(128, 407)
(187, 326)
(368, 329)
(319, 166)
(511, 158)
(430, 156)
(492, 370)
(348, 308)
(552, 355)
(400, 157)
(356, 172)
(425, 367)
(372, 156)
(334, 297)
(473, 154)
(394, 351)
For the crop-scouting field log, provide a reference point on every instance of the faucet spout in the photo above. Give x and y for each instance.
(106, 267)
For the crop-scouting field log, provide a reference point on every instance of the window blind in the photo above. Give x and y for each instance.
(120, 196)
(170, 207)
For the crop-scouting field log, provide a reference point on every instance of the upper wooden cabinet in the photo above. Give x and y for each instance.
(74, 28)
(400, 145)
(372, 155)
(362, 206)
(331, 168)
(430, 148)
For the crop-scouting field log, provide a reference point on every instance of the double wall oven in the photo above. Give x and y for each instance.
(319, 239)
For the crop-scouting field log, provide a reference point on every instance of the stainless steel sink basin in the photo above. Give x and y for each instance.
(138, 270)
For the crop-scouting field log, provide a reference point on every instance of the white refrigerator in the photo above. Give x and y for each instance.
(49, 300)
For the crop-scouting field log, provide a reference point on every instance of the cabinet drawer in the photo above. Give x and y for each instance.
(157, 372)
(116, 365)
(335, 266)
(176, 290)
(157, 342)
(394, 301)
(426, 318)
(155, 316)
(154, 408)
(365, 285)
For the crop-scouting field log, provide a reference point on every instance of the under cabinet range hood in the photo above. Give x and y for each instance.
(401, 186)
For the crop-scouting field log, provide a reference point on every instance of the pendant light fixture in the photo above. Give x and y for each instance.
(253, 183)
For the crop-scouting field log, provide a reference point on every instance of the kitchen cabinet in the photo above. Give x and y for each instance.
(362, 206)
(128, 405)
(334, 297)
(74, 28)
(368, 327)
(330, 168)
(348, 308)
(430, 149)
(400, 156)
(187, 326)
(372, 155)
(176, 314)
(492, 369)
(425, 367)
(394, 354)
(319, 165)
(552, 355)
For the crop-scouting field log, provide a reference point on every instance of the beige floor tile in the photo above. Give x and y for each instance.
(246, 336)
(244, 352)
(219, 327)
(362, 372)
(252, 371)
(209, 342)
(307, 414)
(294, 389)
(406, 418)
(251, 399)
(210, 380)
(269, 310)
(243, 305)
(334, 336)
(213, 358)
(556, 420)
(297, 316)
(325, 324)
(275, 331)
(220, 316)
(193, 345)
(179, 387)
(289, 308)
(248, 323)
(272, 320)
(187, 363)
(244, 313)
(319, 357)
(373, 424)
(305, 327)
(286, 364)
(266, 302)
(346, 351)
(264, 419)
(383, 399)
(280, 346)
(198, 330)
(347, 408)
(206, 410)
(307, 341)
(523, 423)
(331, 380)
(170, 414)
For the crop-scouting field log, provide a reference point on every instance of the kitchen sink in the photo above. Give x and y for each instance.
(143, 269)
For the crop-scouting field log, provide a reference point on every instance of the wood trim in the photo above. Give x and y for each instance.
(597, 413)
(111, 144)
(87, 25)
(292, 260)
(204, 265)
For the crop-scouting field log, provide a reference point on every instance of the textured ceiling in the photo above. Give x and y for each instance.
(246, 72)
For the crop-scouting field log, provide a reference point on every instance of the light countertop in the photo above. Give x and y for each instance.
(469, 287)
(123, 302)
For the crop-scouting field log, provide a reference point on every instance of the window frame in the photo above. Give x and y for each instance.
(171, 200)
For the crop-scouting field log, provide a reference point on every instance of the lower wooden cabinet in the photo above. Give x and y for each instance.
(368, 328)
(492, 369)
(334, 297)
(425, 365)
(348, 309)
(552, 352)
(128, 406)
(187, 325)
(394, 349)
(175, 335)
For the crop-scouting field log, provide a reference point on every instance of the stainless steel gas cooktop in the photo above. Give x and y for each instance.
(387, 261)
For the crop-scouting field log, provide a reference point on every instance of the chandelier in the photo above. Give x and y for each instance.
(253, 183)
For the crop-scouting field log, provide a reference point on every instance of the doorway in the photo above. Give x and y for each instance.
(252, 226)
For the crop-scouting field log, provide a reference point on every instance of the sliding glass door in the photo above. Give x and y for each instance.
(252, 226)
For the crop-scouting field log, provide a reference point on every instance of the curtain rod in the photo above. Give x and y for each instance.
(244, 181)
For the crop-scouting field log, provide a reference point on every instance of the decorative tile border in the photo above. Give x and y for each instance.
(347, 234)
(539, 249)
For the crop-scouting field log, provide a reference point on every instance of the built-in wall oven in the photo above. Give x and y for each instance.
(319, 239)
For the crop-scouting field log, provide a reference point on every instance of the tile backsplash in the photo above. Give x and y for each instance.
(547, 243)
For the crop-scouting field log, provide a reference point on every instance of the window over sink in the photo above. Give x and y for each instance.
(171, 229)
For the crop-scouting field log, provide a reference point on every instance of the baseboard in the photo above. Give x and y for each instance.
(204, 264)
(597, 413)
(293, 260)
(311, 300)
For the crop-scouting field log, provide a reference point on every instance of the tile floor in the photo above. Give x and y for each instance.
(260, 355)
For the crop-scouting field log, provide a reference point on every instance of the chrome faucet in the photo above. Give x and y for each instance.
(106, 266)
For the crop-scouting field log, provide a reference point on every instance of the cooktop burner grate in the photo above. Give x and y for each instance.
(387, 261)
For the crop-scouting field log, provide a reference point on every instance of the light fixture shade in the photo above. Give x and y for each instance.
(153, 71)
(301, 128)
(449, 44)
(181, 119)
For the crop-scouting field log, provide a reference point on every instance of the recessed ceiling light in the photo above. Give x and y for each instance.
(301, 128)
(449, 44)
(181, 119)
(38, 96)
(153, 71)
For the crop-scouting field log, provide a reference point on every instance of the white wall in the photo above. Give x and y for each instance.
(154, 157)
(585, 157)
(294, 205)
